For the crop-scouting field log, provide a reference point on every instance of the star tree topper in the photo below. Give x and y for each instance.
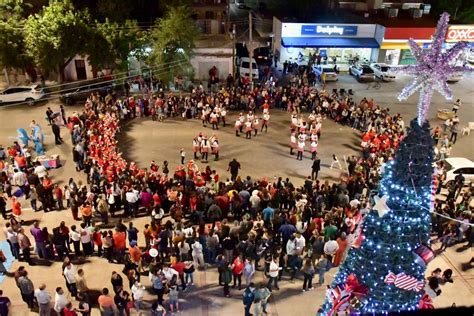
(432, 69)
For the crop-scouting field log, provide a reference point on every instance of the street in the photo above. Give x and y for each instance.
(266, 155)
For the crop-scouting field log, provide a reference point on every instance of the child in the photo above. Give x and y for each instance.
(336, 162)
(174, 301)
(183, 155)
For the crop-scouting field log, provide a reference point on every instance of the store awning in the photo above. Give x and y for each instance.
(397, 45)
(329, 42)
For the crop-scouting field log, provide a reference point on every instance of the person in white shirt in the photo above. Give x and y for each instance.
(197, 253)
(273, 273)
(75, 237)
(60, 300)
(300, 243)
(138, 291)
(70, 274)
(86, 240)
(336, 162)
(169, 273)
(40, 171)
(132, 202)
(44, 300)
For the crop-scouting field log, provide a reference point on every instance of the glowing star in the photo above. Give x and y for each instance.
(432, 69)
(381, 205)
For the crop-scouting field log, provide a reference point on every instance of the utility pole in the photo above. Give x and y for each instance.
(233, 51)
(227, 27)
(250, 48)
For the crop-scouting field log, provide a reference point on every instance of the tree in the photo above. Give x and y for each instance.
(400, 225)
(56, 34)
(460, 10)
(121, 40)
(172, 43)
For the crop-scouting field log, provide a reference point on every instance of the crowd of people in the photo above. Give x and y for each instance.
(198, 218)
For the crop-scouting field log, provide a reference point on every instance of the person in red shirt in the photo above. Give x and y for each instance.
(20, 161)
(179, 267)
(237, 269)
(68, 310)
(119, 245)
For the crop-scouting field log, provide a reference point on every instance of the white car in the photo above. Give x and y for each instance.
(28, 94)
(382, 71)
(362, 72)
(244, 68)
(454, 166)
(455, 77)
(331, 74)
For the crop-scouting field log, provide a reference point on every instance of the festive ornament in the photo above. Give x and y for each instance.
(432, 69)
(425, 302)
(423, 255)
(381, 205)
(404, 281)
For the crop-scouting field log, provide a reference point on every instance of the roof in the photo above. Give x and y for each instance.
(330, 42)
(459, 162)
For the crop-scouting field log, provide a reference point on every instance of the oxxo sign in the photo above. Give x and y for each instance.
(331, 30)
(458, 33)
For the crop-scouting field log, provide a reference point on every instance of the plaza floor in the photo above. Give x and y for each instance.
(266, 155)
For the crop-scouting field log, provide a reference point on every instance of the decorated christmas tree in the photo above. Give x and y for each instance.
(386, 272)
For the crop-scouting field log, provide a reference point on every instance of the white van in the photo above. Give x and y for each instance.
(244, 68)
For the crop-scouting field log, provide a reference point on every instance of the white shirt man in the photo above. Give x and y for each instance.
(85, 236)
(60, 300)
(291, 247)
(19, 178)
(41, 171)
(169, 273)
(70, 273)
(131, 196)
(300, 243)
(274, 269)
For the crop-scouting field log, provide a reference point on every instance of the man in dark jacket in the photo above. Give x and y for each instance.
(315, 168)
(249, 295)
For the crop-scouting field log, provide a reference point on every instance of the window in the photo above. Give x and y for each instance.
(458, 171)
(209, 15)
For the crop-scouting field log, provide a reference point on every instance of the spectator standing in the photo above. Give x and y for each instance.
(249, 295)
(44, 300)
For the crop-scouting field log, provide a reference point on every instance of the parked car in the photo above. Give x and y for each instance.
(29, 94)
(80, 94)
(455, 77)
(456, 165)
(362, 72)
(263, 56)
(383, 71)
(240, 4)
(331, 74)
(244, 68)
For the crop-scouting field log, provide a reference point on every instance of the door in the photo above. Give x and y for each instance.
(80, 69)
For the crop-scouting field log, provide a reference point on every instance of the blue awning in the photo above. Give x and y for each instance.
(354, 42)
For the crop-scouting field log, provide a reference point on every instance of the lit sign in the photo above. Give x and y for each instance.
(340, 30)
(460, 33)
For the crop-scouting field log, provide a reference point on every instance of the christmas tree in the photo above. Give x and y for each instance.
(386, 273)
(398, 224)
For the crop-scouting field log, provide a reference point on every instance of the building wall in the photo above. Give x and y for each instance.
(205, 58)
(70, 73)
(277, 35)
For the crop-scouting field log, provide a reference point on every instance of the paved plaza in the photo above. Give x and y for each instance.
(266, 155)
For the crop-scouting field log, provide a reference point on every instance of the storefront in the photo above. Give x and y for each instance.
(343, 42)
(394, 49)
(458, 33)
